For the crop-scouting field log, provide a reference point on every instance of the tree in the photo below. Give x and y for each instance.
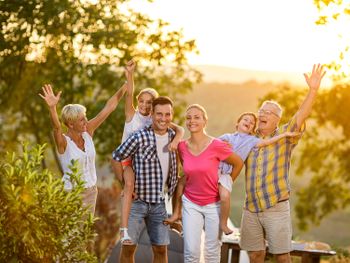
(80, 47)
(326, 147)
(39, 221)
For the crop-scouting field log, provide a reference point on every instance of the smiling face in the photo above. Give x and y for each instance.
(268, 118)
(79, 124)
(144, 103)
(246, 123)
(162, 115)
(195, 120)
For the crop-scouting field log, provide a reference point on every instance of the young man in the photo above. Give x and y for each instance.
(266, 214)
(155, 174)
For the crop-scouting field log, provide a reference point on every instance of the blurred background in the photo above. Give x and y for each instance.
(225, 55)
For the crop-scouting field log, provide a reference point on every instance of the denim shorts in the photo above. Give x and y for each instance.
(151, 214)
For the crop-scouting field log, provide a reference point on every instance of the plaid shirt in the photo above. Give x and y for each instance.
(142, 147)
(267, 170)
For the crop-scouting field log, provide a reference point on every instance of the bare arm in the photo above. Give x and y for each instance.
(117, 169)
(265, 142)
(180, 132)
(237, 165)
(52, 100)
(313, 80)
(177, 202)
(110, 106)
(129, 100)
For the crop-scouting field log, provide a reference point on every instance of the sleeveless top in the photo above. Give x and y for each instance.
(86, 161)
(137, 123)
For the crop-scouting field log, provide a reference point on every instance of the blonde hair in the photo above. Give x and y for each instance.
(149, 91)
(71, 112)
(199, 107)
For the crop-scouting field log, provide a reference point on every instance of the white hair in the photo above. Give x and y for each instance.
(276, 105)
(71, 112)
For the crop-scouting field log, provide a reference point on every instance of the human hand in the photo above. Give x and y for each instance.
(134, 196)
(228, 143)
(313, 80)
(130, 67)
(172, 219)
(50, 98)
(173, 145)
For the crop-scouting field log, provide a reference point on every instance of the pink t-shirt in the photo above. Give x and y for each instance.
(202, 171)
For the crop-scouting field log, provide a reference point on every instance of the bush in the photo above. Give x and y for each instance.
(39, 220)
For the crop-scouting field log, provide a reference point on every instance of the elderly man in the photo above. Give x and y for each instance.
(266, 215)
(155, 174)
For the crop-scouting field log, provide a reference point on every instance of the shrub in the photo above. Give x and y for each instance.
(39, 220)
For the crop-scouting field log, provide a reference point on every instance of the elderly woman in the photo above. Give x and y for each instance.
(200, 156)
(76, 143)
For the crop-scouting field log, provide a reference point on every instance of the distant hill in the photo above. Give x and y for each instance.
(224, 102)
(223, 74)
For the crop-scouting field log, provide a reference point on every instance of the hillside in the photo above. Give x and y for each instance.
(221, 74)
(224, 102)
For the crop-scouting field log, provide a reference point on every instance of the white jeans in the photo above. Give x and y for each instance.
(195, 218)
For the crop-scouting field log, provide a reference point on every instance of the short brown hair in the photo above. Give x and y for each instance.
(249, 114)
(162, 100)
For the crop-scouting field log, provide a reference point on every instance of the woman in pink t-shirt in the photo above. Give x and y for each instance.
(200, 156)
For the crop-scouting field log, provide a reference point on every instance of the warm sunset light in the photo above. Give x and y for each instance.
(273, 35)
(175, 131)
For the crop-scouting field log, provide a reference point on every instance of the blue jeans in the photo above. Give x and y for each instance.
(153, 215)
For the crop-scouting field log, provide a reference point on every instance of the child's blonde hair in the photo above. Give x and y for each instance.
(71, 112)
(199, 107)
(249, 114)
(150, 91)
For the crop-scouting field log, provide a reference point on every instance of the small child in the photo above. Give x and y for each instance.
(135, 120)
(242, 142)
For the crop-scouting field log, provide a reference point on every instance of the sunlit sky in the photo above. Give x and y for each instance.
(273, 35)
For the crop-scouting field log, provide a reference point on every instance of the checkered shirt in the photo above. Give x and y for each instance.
(267, 170)
(141, 147)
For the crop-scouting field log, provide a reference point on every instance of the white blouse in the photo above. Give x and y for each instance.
(86, 161)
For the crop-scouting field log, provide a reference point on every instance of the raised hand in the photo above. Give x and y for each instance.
(130, 67)
(313, 80)
(50, 98)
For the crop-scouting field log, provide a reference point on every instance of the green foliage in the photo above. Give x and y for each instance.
(335, 14)
(343, 256)
(39, 220)
(81, 47)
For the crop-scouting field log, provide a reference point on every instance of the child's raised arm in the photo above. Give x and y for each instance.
(52, 100)
(129, 100)
(110, 106)
(265, 142)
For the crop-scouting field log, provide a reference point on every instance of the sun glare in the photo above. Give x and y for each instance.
(251, 34)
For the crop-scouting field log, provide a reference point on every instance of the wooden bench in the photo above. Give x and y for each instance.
(307, 255)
